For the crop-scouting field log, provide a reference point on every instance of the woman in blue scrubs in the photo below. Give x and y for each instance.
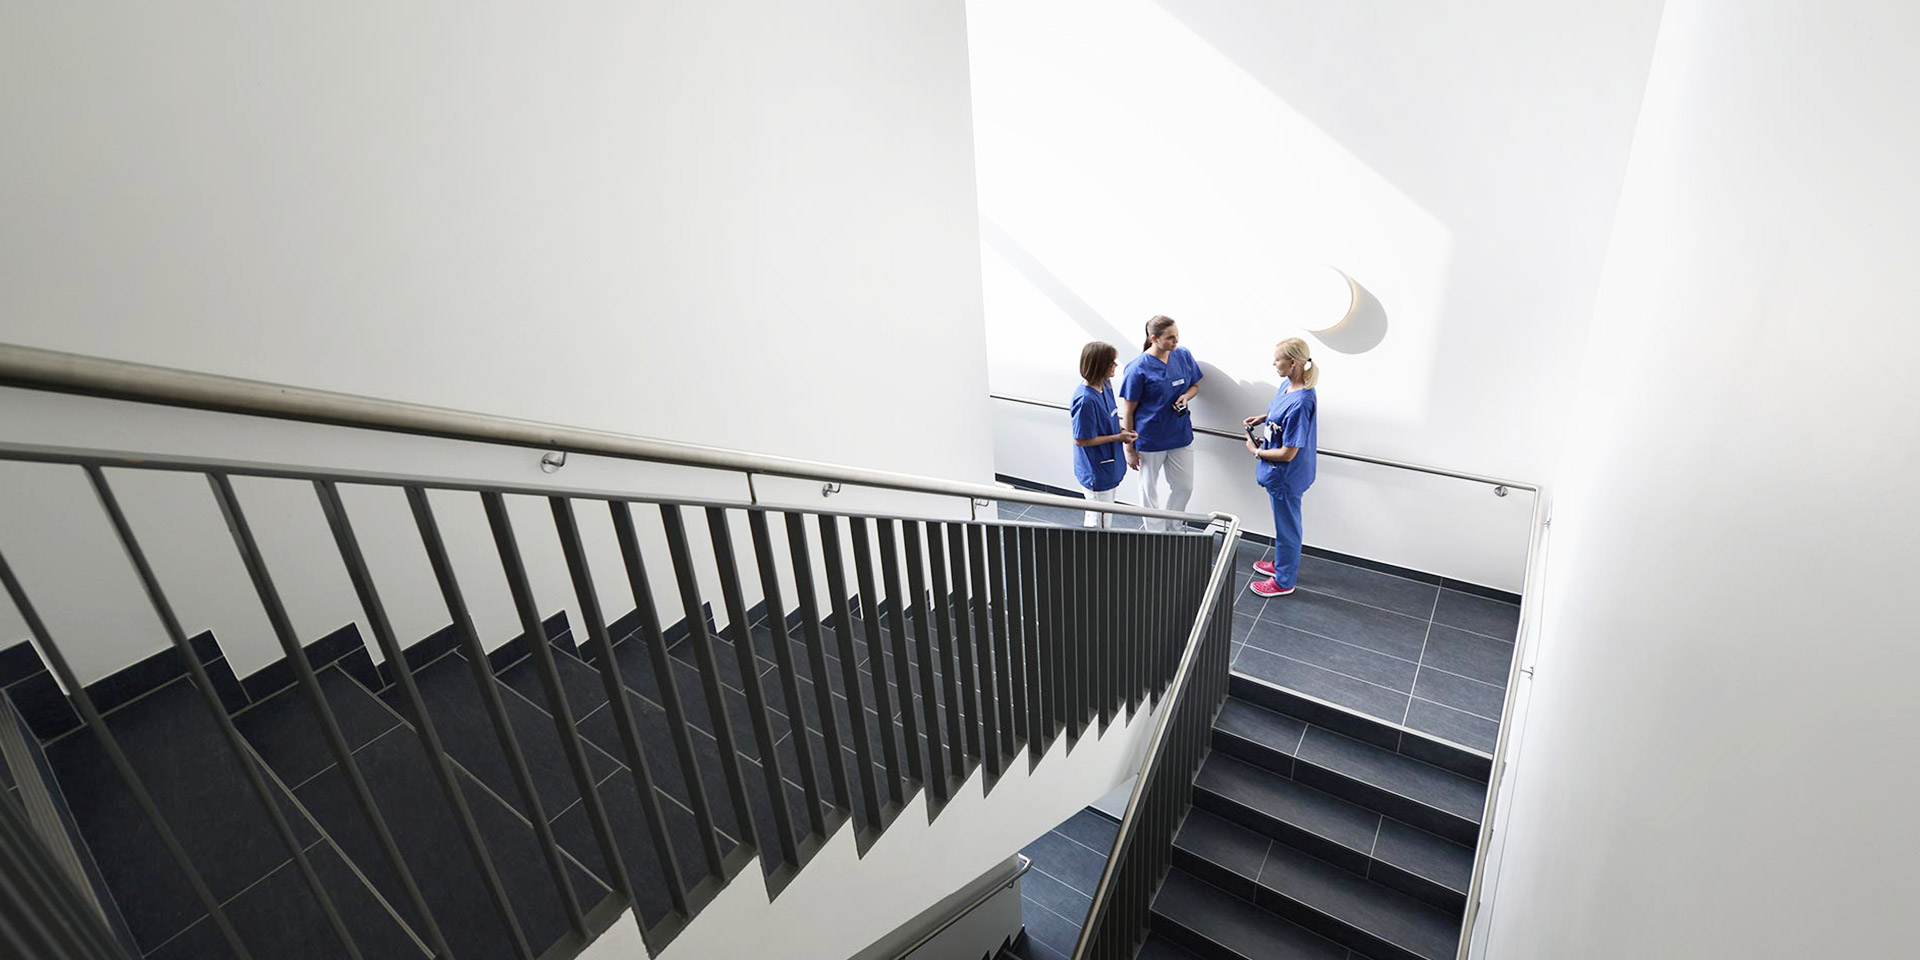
(1154, 393)
(1288, 441)
(1097, 435)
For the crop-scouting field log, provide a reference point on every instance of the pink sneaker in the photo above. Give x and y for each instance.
(1269, 588)
(1264, 566)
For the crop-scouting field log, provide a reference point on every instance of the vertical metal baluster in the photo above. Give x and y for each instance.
(1075, 674)
(436, 753)
(204, 684)
(42, 915)
(104, 738)
(567, 527)
(783, 664)
(1005, 649)
(1103, 646)
(735, 599)
(1017, 662)
(876, 657)
(1030, 600)
(949, 675)
(850, 674)
(709, 667)
(897, 603)
(489, 690)
(817, 656)
(520, 588)
(282, 625)
(1059, 613)
(655, 643)
(937, 778)
(980, 661)
(963, 642)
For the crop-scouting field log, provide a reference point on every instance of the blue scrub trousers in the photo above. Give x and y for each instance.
(1286, 537)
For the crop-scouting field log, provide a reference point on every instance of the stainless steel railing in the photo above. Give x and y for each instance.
(1522, 665)
(1020, 636)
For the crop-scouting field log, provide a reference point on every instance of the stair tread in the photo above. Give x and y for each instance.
(1223, 843)
(1359, 903)
(1160, 948)
(1424, 855)
(1389, 771)
(1321, 814)
(1256, 724)
(1235, 925)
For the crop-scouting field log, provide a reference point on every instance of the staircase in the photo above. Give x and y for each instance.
(1306, 842)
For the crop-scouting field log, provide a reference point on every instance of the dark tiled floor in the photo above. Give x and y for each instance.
(1057, 892)
(1395, 648)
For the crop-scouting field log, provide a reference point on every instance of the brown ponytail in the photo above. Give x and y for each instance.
(1155, 327)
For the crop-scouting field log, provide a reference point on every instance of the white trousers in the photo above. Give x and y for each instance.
(1177, 464)
(1095, 519)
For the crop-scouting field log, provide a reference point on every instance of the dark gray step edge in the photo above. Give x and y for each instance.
(1197, 942)
(1454, 757)
(1338, 929)
(1361, 863)
(1407, 809)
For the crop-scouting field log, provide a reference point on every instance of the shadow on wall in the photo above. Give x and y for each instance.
(1364, 327)
(1096, 325)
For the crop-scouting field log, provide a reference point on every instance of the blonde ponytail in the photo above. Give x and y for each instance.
(1297, 350)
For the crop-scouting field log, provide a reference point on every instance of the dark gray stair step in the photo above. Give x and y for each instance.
(1221, 852)
(1369, 917)
(1466, 762)
(278, 917)
(1211, 923)
(1353, 837)
(1160, 948)
(201, 790)
(423, 824)
(1436, 800)
(1288, 811)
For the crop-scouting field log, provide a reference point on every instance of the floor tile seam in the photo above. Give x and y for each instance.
(1398, 758)
(1348, 676)
(577, 735)
(333, 764)
(326, 836)
(1326, 910)
(1028, 897)
(1411, 663)
(1407, 714)
(1335, 596)
(104, 715)
(1077, 924)
(1331, 671)
(1447, 706)
(224, 904)
(1461, 676)
(1104, 854)
(1323, 636)
(1509, 641)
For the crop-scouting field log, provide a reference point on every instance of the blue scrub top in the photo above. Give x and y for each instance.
(1099, 467)
(1293, 420)
(1153, 384)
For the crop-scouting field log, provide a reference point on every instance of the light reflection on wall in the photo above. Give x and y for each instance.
(1127, 168)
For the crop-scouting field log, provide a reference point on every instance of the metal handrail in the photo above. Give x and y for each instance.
(36, 368)
(1324, 451)
(1169, 706)
(1519, 667)
(1026, 864)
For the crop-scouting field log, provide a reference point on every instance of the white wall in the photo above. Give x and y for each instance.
(743, 224)
(1461, 162)
(912, 867)
(1718, 761)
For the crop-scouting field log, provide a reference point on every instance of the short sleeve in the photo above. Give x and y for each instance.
(1198, 374)
(1133, 383)
(1088, 418)
(1296, 425)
